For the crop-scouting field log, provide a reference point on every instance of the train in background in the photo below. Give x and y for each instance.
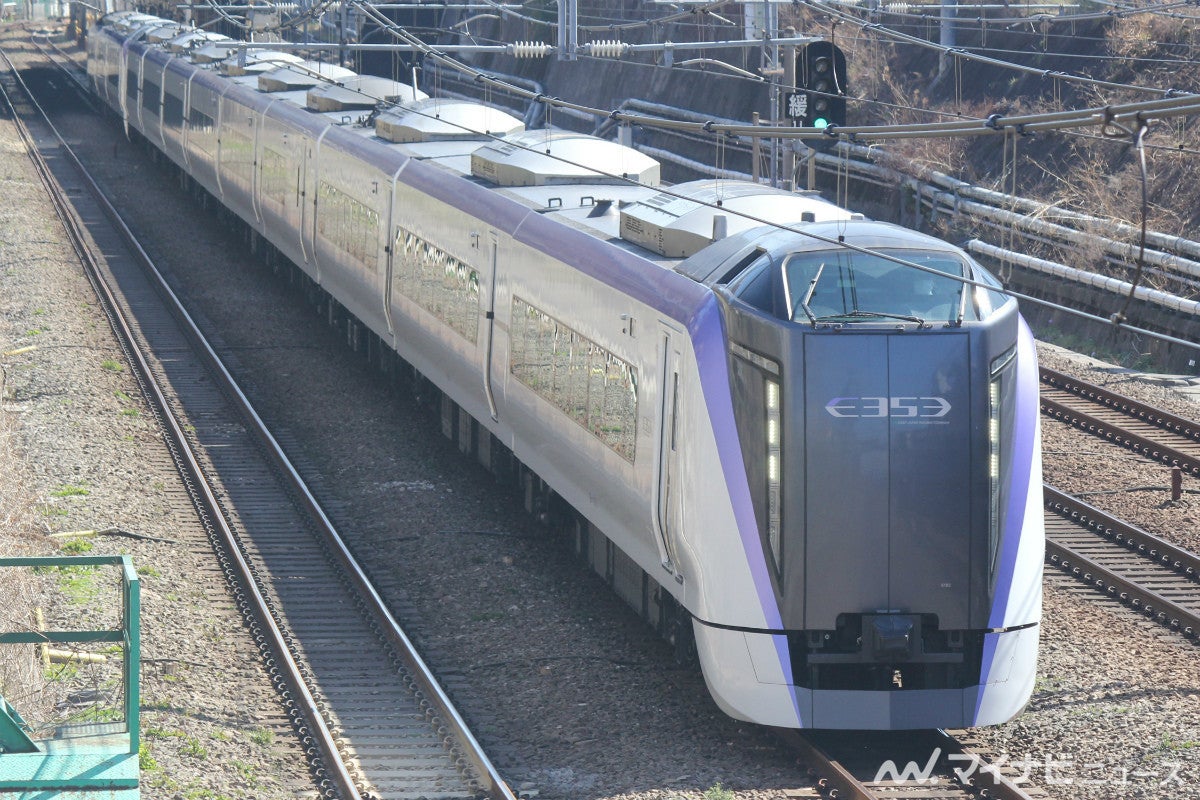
(803, 442)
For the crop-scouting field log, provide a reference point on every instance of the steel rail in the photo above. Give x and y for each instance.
(1134, 408)
(181, 448)
(1144, 543)
(953, 771)
(486, 774)
(67, 67)
(1137, 414)
(1145, 548)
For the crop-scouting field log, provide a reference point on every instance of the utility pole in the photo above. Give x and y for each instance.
(947, 39)
(772, 70)
(343, 21)
(789, 82)
(568, 30)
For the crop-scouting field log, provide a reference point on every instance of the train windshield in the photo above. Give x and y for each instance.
(847, 286)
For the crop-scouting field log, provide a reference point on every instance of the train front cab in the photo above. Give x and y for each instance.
(892, 456)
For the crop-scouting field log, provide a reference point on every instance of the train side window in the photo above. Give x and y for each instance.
(741, 265)
(757, 283)
(594, 387)
(987, 300)
(150, 97)
(443, 285)
(172, 111)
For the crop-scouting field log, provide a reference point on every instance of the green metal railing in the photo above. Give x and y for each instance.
(128, 636)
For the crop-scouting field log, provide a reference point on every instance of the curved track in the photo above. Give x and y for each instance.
(1154, 433)
(372, 717)
(847, 766)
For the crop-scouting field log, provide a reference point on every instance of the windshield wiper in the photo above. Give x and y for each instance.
(962, 304)
(857, 314)
(812, 287)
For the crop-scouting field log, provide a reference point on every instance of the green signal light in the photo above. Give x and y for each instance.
(820, 122)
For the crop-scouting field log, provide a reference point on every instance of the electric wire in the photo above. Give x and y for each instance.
(982, 59)
(1109, 118)
(1115, 320)
(1169, 105)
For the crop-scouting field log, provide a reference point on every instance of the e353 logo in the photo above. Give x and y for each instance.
(920, 407)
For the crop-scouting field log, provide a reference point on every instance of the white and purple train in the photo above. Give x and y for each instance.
(820, 464)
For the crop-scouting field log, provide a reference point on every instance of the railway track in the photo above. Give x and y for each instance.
(852, 771)
(371, 716)
(924, 765)
(849, 766)
(1151, 575)
(1147, 430)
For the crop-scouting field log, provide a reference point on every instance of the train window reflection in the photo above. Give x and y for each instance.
(594, 387)
(443, 285)
(237, 159)
(756, 284)
(844, 285)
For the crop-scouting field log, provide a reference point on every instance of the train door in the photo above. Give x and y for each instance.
(219, 123)
(295, 146)
(668, 518)
(488, 278)
(256, 118)
(123, 64)
(185, 155)
(392, 245)
(307, 178)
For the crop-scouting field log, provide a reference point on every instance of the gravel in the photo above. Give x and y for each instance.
(573, 694)
(1117, 480)
(86, 455)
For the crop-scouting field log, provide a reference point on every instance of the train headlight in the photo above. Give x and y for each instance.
(774, 474)
(998, 371)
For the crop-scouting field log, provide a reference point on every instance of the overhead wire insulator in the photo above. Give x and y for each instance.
(531, 49)
(607, 48)
(897, 8)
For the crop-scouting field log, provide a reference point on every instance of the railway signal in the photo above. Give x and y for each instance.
(821, 72)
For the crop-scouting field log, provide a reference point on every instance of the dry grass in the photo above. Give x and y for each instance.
(21, 679)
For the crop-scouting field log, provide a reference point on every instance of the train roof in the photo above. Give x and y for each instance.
(214, 51)
(361, 92)
(691, 216)
(711, 265)
(440, 119)
(303, 75)
(542, 157)
(193, 38)
(601, 187)
(160, 34)
(253, 62)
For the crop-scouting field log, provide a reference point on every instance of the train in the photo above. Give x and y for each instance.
(802, 444)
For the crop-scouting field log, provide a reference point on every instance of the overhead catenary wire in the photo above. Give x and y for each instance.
(840, 243)
(982, 59)
(877, 132)
(1105, 117)
(1172, 104)
(1167, 106)
(706, 9)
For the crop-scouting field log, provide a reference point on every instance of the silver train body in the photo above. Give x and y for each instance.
(823, 463)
